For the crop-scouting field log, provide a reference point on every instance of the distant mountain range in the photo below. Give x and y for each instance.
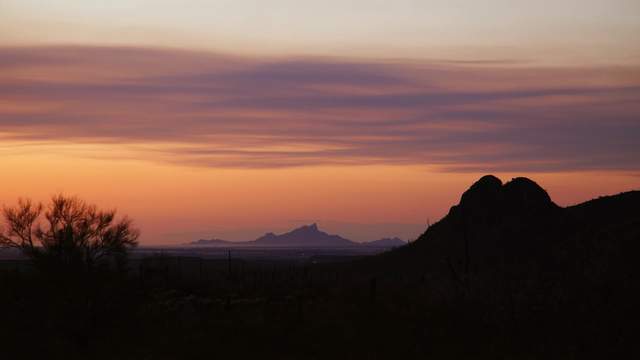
(304, 236)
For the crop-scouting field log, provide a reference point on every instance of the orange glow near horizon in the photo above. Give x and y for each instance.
(173, 204)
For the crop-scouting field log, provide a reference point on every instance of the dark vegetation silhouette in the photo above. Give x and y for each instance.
(505, 274)
(69, 234)
(77, 258)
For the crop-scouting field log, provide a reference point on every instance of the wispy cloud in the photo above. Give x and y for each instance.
(205, 109)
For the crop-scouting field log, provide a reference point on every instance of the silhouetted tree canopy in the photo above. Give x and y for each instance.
(68, 230)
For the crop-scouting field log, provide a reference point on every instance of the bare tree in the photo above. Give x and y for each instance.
(69, 231)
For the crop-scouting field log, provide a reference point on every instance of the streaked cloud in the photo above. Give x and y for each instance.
(203, 109)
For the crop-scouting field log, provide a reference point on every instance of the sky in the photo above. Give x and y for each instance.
(229, 119)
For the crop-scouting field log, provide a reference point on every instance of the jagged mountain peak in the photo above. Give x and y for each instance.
(306, 235)
(307, 228)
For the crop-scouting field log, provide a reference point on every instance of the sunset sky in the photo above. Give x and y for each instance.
(229, 119)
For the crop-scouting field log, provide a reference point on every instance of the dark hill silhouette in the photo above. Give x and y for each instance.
(516, 228)
(509, 258)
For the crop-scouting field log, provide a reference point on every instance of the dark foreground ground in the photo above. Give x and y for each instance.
(178, 307)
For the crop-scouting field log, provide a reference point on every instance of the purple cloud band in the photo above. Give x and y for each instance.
(214, 110)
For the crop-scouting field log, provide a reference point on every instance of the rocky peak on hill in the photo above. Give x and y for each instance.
(482, 192)
(522, 193)
(490, 196)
